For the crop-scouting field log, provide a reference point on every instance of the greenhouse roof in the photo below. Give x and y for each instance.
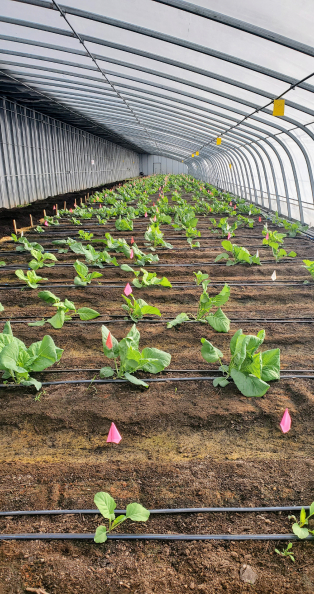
(168, 77)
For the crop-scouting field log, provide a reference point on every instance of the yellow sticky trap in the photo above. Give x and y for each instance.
(193, 155)
(197, 153)
(279, 107)
(218, 140)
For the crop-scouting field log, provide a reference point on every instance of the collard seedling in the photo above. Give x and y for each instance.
(65, 310)
(106, 505)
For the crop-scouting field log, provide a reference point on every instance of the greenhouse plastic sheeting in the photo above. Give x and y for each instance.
(167, 77)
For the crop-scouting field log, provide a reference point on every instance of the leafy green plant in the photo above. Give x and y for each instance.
(84, 277)
(31, 278)
(85, 236)
(124, 224)
(149, 279)
(128, 359)
(65, 310)
(39, 229)
(17, 361)
(1, 307)
(106, 505)
(249, 370)
(273, 238)
(309, 265)
(39, 260)
(245, 221)
(287, 552)
(2, 263)
(52, 220)
(240, 255)
(280, 253)
(191, 244)
(155, 236)
(218, 320)
(226, 229)
(25, 245)
(292, 228)
(300, 529)
(138, 308)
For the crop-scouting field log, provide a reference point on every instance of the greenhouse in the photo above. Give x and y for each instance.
(156, 299)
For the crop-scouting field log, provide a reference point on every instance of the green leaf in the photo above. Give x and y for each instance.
(126, 268)
(227, 245)
(69, 304)
(233, 341)
(106, 372)
(271, 365)
(249, 385)
(221, 257)
(106, 505)
(1, 307)
(222, 297)
(58, 319)
(302, 516)
(100, 534)
(39, 323)
(292, 254)
(135, 380)
(164, 282)
(300, 532)
(86, 313)
(43, 354)
(311, 509)
(148, 309)
(80, 268)
(95, 275)
(220, 381)
(32, 382)
(48, 297)
(7, 329)
(160, 360)
(79, 282)
(209, 352)
(182, 317)
(219, 321)
(137, 512)
(9, 356)
(118, 520)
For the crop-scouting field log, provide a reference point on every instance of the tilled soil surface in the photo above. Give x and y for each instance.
(185, 444)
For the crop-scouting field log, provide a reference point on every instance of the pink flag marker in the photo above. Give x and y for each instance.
(285, 424)
(71, 210)
(229, 235)
(145, 215)
(267, 235)
(259, 219)
(109, 341)
(131, 254)
(230, 203)
(53, 208)
(132, 240)
(154, 219)
(153, 203)
(46, 224)
(127, 290)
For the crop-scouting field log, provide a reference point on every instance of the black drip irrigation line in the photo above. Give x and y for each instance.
(216, 371)
(175, 285)
(182, 510)
(158, 380)
(124, 320)
(189, 537)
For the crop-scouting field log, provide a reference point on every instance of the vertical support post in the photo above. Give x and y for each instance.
(45, 213)
(14, 227)
(31, 219)
(64, 205)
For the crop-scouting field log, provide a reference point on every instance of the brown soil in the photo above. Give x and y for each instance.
(184, 444)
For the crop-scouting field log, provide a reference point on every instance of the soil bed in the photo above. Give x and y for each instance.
(184, 444)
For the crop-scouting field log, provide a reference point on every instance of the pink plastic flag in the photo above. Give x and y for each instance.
(132, 240)
(153, 203)
(46, 224)
(259, 219)
(71, 210)
(154, 219)
(131, 254)
(145, 215)
(229, 235)
(53, 208)
(157, 210)
(127, 290)
(109, 341)
(230, 203)
(267, 236)
(285, 424)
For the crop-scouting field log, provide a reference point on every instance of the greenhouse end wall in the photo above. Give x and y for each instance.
(154, 164)
(41, 156)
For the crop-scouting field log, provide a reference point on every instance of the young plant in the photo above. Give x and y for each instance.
(85, 236)
(309, 265)
(193, 245)
(31, 278)
(128, 359)
(124, 224)
(2, 263)
(17, 361)
(139, 308)
(106, 505)
(25, 245)
(155, 236)
(39, 260)
(149, 279)
(226, 229)
(63, 309)
(84, 277)
(286, 552)
(280, 253)
(218, 320)
(52, 220)
(249, 370)
(273, 238)
(245, 221)
(301, 529)
(75, 221)
(39, 229)
(240, 255)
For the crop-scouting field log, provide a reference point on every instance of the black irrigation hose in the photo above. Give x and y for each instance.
(182, 510)
(190, 537)
(176, 285)
(163, 321)
(158, 380)
(91, 369)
